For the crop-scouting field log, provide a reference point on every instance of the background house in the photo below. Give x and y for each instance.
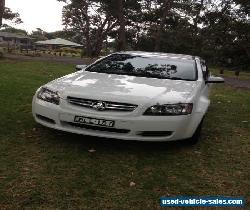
(57, 43)
(14, 41)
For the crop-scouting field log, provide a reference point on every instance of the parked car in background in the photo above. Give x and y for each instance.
(131, 96)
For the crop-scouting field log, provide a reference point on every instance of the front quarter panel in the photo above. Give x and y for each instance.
(201, 103)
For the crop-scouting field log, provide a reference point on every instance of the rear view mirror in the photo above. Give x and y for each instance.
(80, 67)
(213, 79)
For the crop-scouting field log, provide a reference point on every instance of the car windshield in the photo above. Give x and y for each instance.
(143, 66)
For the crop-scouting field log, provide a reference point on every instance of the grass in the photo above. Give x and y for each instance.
(47, 169)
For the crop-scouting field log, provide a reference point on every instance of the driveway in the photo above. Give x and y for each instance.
(237, 83)
(58, 59)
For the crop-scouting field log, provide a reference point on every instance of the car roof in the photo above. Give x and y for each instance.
(159, 55)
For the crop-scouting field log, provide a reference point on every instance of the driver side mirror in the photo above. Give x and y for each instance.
(80, 67)
(213, 79)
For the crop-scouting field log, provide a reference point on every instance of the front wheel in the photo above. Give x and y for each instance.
(196, 136)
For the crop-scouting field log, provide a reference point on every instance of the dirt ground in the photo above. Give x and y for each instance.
(238, 83)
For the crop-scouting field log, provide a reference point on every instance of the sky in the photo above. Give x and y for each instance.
(44, 14)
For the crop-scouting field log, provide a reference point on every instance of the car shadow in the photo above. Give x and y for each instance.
(111, 145)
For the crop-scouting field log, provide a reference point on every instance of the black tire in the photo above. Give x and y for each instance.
(196, 136)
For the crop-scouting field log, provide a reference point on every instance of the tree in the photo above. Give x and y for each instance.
(244, 4)
(164, 10)
(68, 35)
(214, 29)
(122, 34)
(2, 6)
(91, 20)
(15, 30)
(39, 35)
(7, 14)
(225, 35)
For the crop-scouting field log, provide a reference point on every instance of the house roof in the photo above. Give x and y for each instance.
(58, 41)
(13, 35)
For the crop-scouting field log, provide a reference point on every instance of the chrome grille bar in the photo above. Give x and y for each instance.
(113, 106)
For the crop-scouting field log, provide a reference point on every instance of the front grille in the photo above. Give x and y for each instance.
(112, 106)
(97, 128)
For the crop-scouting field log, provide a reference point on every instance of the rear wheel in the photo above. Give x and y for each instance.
(196, 136)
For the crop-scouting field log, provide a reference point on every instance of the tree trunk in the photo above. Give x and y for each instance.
(87, 34)
(197, 42)
(2, 6)
(97, 51)
(166, 7)
(122, 33)
(87, 46)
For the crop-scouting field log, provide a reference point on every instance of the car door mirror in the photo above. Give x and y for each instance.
(213, 79)
(80, 67)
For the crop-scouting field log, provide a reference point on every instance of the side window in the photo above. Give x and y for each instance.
(205, 70)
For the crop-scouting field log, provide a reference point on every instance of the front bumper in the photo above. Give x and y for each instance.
(141, 128)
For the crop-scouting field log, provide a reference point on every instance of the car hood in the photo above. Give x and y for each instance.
(123, 88)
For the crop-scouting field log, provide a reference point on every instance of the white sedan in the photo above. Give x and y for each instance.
(131, 96)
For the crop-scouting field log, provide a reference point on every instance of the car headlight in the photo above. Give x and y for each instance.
(48, 95)
(169, 109)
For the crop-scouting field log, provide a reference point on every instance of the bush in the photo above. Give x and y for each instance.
(83, 53)
(70, 50)
(32, 54)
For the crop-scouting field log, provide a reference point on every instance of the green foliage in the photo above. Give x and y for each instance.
(91, 21)
(69, 50)
(7, 14)
(66, 34)
(39, 35)
(14, 30)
